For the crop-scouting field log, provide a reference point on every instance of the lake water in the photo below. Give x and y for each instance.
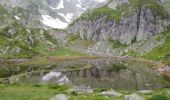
(96, 73)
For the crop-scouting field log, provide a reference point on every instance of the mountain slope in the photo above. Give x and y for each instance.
(23, 24)
(48, 13)
(121, 28)
(19, 41)
(128, 21)
(63, 12)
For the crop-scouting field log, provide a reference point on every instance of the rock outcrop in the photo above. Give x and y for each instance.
(133, 97)
(134, 24)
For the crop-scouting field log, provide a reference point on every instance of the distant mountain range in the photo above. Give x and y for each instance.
(52, 13)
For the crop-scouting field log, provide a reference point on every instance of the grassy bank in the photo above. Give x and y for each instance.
(53, 56)
(29, 92)
(46, 92)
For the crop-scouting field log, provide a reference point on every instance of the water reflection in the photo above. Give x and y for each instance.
(101, 73)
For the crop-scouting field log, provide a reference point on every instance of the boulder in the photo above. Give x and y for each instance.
(83, 89)
(110, 93)
(145, 91)
(60, 97)
(133, 97)
(11, 31)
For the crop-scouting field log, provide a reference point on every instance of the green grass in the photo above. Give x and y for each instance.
(159, 97)
(94, 97)
(65, 52)
(117, 67)
(43, 46)
(42, 41)
(116, 44)
(162, 52)
(101, 12)
(43, 92)
(73, 38)
(2, 10)
(46, 92)
(138, 4)
(29, 92)
(151, 4)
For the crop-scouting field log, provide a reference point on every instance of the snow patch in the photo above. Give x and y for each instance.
(16, 17)
(54, 23)
(61, 5)
(67, 17)
(79, 5)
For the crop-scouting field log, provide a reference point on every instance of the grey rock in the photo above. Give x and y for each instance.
(11, 32)
(145, 91)
(31, 40)
(113, 5)
(133, 97)
(17, 50)
(83, 89)
(110, 93)
(122, 2)
(60, 97)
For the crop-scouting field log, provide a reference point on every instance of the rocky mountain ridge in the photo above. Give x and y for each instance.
(129, 21)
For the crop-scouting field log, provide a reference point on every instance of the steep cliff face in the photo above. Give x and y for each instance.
(123, 20)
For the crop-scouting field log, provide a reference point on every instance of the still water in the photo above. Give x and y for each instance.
(96, 73)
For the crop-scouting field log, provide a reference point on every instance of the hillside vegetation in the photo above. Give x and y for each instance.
(127, 10)
(18, 41)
